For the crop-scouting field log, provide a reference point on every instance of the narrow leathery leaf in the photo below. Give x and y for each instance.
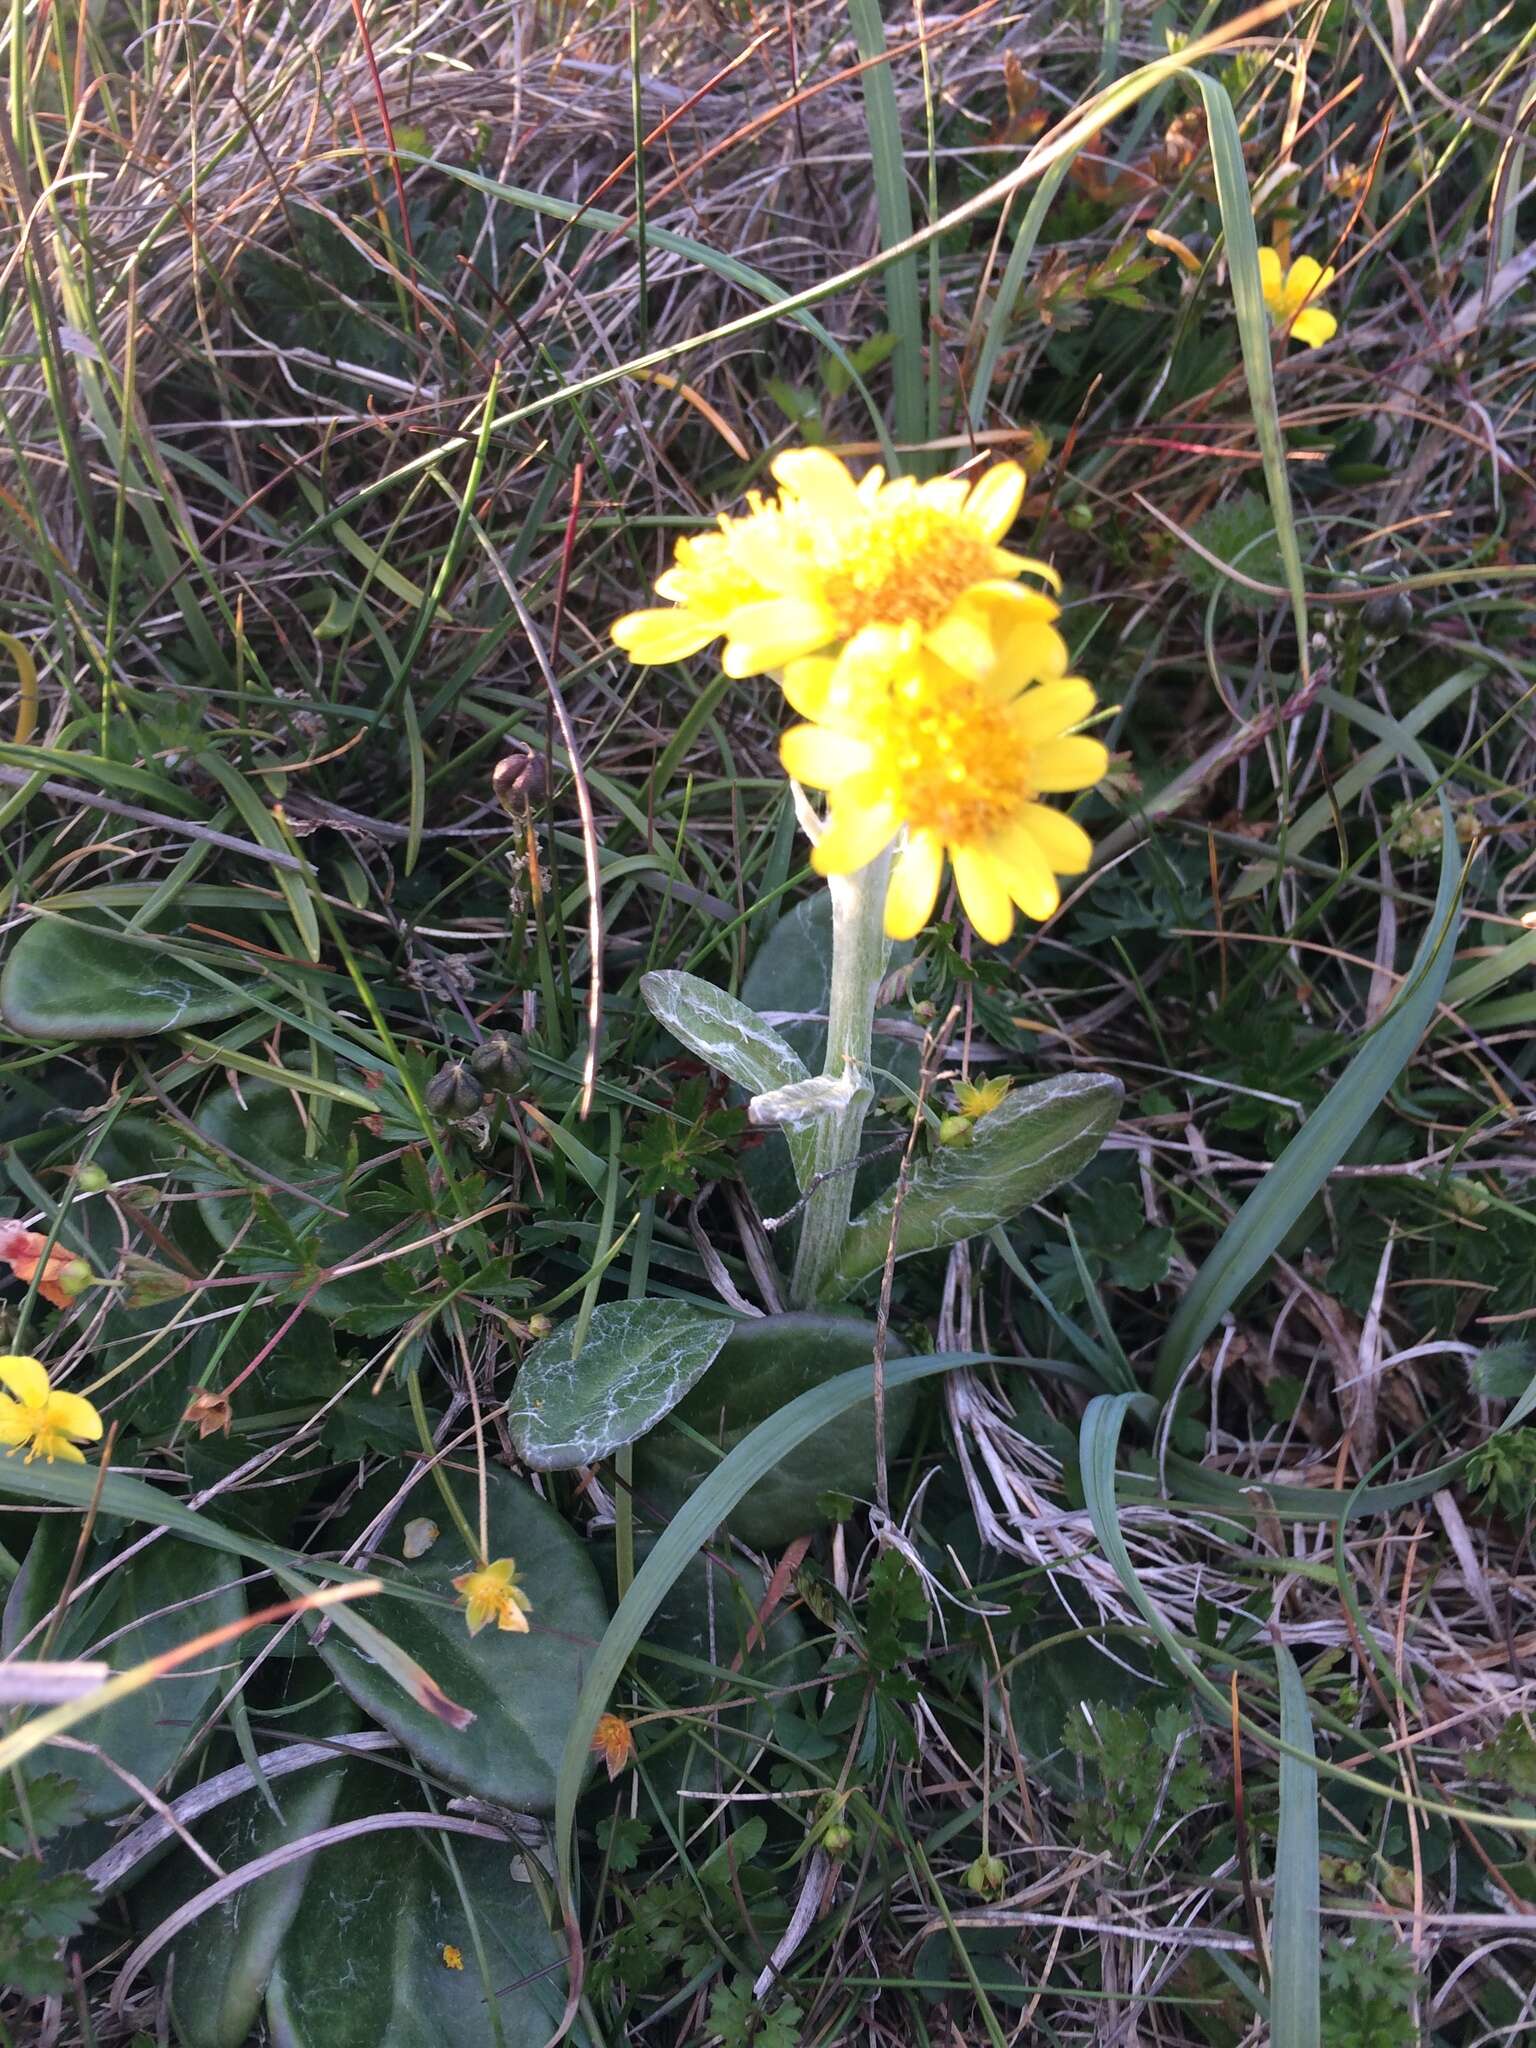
(1035, 1139)
(711, 1504)
(733, 1038)
(519, 1688)
(1252, 1236)
(1242, 243)
(1295, 1992)
(766, 1362)
(637, 1362)
(66, 979)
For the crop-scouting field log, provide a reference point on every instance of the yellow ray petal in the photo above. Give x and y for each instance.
(806, 684)
(767, 635)
(656, 636)
(1307, 278)
(816, 755)
(1027, 873)
(818, 480)
(1051, 709)
(984, 892)
(853, 836)
(963, 643)
(1271, 277)
(914, 886)
(995, 498)
(1060, 765)
(1061, 839)
(25, 1378)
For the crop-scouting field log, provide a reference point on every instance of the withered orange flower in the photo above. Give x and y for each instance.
(210, 1411)
(63, 1275)
(613, 1740)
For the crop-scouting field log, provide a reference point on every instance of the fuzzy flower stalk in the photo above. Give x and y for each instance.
(936, 714)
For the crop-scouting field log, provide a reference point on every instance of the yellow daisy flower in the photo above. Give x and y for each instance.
(1292, 295)
(37, 1415)
(879, 569)
(491, 1593)
(958, 764)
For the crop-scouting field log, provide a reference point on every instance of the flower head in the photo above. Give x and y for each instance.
(34, 1414)
(960, 763)
(1292, 296)
(878, 569)
(613, 1740)
(491, 1593)
(63, 1276)
(453, 1958)
(975, 1099)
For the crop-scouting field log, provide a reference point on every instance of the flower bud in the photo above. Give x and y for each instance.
(986, 1877)
(1080, 516)
(453, 1092)
(498, 1063)
(90, 1179)
(539, 1326)
(74, 1278)
(837, 1839)
(955, 1130)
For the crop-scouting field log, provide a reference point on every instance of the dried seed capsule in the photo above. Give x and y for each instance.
(520, 780)
(454, 1092)
(498, 1063)
(1388, 613)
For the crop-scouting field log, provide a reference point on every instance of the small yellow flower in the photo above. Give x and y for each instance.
(35, 1414)
(958, 763)
(492, 1593)
(878, 569)
(453, 1958)
(975, 1099)
(1292, 296)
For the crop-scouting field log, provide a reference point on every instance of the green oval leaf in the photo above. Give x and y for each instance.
(222, 1964)
(765, 1363)
(65, 979)
(152, 1603)
(733, 1038)
(638, 1361)
(313, 1216)
(369, 1959)
(1034, 1140)
(520, 1688)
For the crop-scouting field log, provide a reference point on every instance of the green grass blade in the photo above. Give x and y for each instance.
(1295, 1991)
(1013, 283)
(893, 204)
(1258, 1227)
(1236, 204)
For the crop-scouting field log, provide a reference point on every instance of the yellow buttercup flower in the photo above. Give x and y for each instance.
(958, 763)
(877, 569)
(39, 1416)
(1292, 296)
(491, 1593)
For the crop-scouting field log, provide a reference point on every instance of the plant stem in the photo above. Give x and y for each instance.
(860, 951)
